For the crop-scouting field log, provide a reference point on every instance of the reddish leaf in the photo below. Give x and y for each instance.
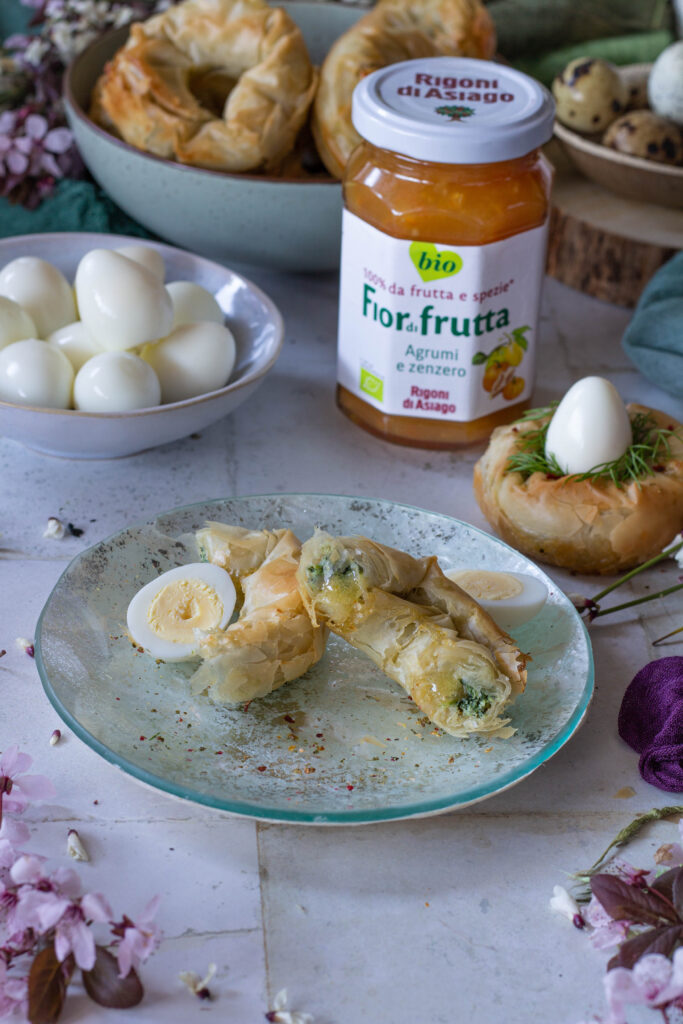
(624, 902)
(104, 986)
(47, 983)
(654, 940)
(668, 884)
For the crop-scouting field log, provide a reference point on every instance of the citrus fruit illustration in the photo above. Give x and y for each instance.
(500, 363)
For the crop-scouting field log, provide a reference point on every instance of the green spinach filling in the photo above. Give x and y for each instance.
(473, 702)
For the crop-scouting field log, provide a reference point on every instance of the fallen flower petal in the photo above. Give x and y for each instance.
(55, 528)
(281, 1015)
(140, 938)
(55, 737)
(26, 646)
(75, 847)
(562, 903)
(198, 986)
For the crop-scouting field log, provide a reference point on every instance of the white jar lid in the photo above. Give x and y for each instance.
(453, 110)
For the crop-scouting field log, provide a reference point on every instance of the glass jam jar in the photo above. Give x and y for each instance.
(446, 204)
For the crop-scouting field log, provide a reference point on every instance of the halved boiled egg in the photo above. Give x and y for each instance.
(164, 614)
(510, 598)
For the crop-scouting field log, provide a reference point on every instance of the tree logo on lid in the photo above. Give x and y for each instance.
(455, 113)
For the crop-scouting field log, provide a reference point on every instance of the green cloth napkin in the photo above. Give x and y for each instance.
(642, 48)
(74, 206)
(654, 337)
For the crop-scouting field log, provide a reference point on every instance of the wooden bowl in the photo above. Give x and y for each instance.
(629, 176)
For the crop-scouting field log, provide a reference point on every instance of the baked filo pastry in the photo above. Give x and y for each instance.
(274, 640)
(588, 525)
(220, 84)
(421, 629)
(393, 31)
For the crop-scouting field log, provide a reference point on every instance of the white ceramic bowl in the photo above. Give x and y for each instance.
(252, 317)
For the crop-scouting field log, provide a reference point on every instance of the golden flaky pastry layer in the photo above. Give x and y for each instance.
(220, 84)
(590, 526)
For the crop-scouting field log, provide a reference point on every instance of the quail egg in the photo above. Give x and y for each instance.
(589, 94)
(116, 382)
(665, 85)
(42, 290)
(510, 598)
(164, 614)
(35, 373)
(644, 134)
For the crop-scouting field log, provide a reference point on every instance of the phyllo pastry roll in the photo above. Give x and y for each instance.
(274, 640)
(457, 680)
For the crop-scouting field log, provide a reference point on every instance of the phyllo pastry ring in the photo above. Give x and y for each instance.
(220, 84)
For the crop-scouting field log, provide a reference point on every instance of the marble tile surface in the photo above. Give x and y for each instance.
(422, 922)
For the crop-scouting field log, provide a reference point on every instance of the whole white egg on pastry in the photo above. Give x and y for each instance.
(192, 303)
(15, 322)
(589, 427)
(35, 373)
(116, 382)
(192, 360)
(164, 614)
(147, 257)
(121, 302)
(510, 598)
(40, 289)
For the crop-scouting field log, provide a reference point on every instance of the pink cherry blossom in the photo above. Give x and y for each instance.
(606, 931)
(654, 981)
(140, 938)
(13, 993)
(13, 768)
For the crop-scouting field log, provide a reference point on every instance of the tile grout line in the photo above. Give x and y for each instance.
(261, 880)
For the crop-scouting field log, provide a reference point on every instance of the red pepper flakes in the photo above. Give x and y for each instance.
(246, 706)
(219, 752)
(319, 735)
(261, 768)
(143, 738)
(289, 718)
(3, 653)
(349, 788)
(309, 769)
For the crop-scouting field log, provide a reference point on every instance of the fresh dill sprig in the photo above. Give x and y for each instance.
(650, 445)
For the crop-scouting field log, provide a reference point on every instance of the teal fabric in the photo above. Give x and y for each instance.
(654, 337)
(74, 206)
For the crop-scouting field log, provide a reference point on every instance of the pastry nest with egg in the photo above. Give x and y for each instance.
(589, 522)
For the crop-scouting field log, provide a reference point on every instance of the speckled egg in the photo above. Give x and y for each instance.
(665, 86)
(644, 134)
(589, 94)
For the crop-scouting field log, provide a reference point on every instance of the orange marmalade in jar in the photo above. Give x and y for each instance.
(446, 206)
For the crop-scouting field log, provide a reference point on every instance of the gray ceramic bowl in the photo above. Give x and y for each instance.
(253, 318)
(288, 225)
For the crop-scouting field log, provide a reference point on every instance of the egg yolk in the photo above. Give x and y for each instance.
(183, 606)
(488, 586)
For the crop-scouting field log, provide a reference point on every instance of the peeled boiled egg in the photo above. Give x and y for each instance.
(15, 323)
(192, 303)
(77, 344)
(192, 360)
(116, 382)
(163, 616)
(121, 303)
(589, 427)
(35, 373)
(510, 598)
(41, 290)
(146, 256)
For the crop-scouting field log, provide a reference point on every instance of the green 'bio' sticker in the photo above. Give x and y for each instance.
(371, 385)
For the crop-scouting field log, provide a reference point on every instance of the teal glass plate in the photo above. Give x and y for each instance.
(341, 745)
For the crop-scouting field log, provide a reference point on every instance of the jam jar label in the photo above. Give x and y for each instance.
(438, 331)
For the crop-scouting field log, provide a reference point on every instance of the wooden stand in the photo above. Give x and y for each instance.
(602, 244)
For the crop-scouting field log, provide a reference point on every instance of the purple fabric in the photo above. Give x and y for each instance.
(651, 721)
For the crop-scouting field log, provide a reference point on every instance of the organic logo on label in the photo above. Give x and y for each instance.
(454, 113)
(372, 385)
(431, 264)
